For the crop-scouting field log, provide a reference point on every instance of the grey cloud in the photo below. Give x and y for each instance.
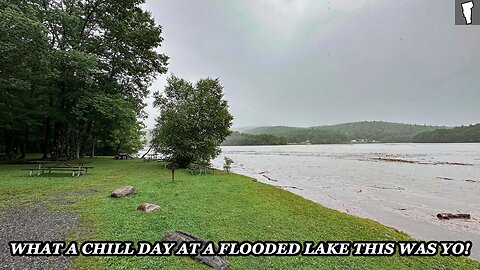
(305, 63)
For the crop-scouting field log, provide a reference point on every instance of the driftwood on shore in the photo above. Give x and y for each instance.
(379, 187)
(269, 179)
(294, 187)
(395, 160)
(418, 162)
(452, 163)
(451, 179)
(452, 216)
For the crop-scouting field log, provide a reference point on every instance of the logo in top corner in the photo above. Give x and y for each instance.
(467, 12)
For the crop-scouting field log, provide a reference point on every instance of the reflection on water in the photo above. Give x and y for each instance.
(400, 185)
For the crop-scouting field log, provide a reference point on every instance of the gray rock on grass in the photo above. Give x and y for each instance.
(123, 191)
(148, 207)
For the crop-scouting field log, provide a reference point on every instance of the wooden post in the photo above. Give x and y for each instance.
(172, 167)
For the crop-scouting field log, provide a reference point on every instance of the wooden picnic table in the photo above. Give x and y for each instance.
(77, 169)
(122, 156)
(198, 169)
(7, 156)
(150, 157)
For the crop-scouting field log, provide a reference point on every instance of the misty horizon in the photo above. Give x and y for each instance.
(310, 63)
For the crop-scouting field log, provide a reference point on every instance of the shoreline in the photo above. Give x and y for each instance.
(421, 229)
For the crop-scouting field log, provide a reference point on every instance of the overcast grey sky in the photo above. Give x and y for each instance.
(313, 62)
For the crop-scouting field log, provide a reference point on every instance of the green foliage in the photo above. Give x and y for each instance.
(193, 120)
(372, 131)
(237, 138)
(228, 164)
(75, 73)
(296, 135)
(25, 54)
(463, 134)
(379, 131)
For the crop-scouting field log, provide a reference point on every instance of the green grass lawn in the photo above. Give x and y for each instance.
(215, 207)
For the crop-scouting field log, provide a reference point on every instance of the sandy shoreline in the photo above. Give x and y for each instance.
(363, 181)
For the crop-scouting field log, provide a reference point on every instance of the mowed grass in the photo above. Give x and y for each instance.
(215, 207)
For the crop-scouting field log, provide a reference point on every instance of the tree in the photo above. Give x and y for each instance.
(193, 121)
(228, 164)
(24, 72)
(76, 72)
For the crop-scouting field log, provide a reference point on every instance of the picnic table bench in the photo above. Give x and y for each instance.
(150, 157)
(7, 156)
(52, 166)
(198, 169)
(122, 156)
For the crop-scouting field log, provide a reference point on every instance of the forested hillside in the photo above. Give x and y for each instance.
(368, 131)
(463, 134)
(237, 138)
(379, 131)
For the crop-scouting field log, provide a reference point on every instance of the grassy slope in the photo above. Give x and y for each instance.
(215, 207)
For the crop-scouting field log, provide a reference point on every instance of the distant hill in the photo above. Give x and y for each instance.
(463, 134)
(380, 131)
(367, 131)
(242, 129)
(237, 138)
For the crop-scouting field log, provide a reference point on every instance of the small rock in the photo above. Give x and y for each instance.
(148, 207)
(123, 191)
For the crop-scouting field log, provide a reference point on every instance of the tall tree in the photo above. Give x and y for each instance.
(102, 49)
(25, 55)
(193, 120)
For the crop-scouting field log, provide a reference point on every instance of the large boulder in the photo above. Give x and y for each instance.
(216, 262)
(123, 191)
(148, 207)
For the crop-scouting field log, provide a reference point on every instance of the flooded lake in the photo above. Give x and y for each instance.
(400, 185)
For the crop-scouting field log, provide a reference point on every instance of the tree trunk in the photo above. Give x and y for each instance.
(84, 138)
(92, 154)
(151, 146)
(13, 142)
(24, 144)
(6, 138)
(57, 140)
(46, 141)
(78, 146)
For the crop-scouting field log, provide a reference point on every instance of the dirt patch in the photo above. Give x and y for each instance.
(72, 197)
(33, 223)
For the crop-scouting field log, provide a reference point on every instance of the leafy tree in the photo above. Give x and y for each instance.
(25, 54)
(76, 72)
(462, 134)
(193, 121)
(228, 164)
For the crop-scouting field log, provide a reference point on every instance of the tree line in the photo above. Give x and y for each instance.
(74, 74)
(237, 138)
(366, 131)
(463, 134)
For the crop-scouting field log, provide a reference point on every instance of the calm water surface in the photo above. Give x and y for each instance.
(399, 185)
